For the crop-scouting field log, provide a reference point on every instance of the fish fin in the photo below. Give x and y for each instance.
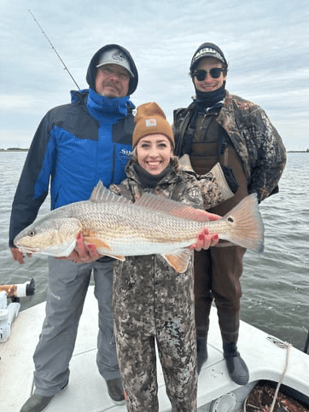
(98, 243)
(248, 228)
(179, 260)
(101, 194)
(103, 252)
(171, 207)
(102, 247)
(122, 258)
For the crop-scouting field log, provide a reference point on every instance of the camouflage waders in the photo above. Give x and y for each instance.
(153, 303)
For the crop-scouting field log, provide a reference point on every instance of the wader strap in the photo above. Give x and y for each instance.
(185, 129)
(225, 155)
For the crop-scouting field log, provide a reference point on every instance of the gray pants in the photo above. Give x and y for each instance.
(67, 287)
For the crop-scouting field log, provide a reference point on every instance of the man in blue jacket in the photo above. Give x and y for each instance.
(75, 146)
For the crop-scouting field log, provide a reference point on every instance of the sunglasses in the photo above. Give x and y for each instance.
(202, 74)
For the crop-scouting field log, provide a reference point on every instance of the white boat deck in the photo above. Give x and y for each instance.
(87, 391)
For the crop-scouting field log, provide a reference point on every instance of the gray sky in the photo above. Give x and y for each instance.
(266, 43)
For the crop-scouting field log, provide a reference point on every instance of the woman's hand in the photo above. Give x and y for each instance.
(205, 240)
(83, 253)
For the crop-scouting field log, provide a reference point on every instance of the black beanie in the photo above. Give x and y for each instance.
(207, 50)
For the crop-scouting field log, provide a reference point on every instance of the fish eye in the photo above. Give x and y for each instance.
(31, 233)
(230, 219)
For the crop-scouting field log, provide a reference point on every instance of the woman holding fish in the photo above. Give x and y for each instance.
(151, 300)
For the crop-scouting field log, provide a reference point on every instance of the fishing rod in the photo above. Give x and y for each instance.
(52, 46)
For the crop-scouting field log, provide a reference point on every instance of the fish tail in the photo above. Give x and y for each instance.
(248, 228)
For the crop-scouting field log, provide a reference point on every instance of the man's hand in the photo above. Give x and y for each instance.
(18, 255)
(83, 253)
(205, 240)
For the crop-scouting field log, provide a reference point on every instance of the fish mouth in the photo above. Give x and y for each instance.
(28, 249)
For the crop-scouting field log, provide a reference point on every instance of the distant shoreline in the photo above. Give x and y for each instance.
(298, 151)
(16, 149)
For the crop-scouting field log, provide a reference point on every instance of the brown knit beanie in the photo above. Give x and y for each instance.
(150, 119)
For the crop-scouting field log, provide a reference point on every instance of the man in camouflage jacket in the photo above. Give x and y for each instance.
(254, 137)
(220, 127)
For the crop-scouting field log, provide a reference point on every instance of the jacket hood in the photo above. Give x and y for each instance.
(92, 69)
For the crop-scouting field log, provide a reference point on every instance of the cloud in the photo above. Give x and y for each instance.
(9, 102)
(264, 41)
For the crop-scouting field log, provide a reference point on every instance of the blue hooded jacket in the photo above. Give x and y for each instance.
(74, 147)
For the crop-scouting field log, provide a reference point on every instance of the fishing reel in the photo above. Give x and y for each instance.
(9, 312)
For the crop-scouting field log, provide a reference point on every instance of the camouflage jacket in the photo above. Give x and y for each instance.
(254, 137)
(177, 185)
(182, 184)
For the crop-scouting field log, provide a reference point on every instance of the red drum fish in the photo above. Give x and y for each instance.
(151, 225)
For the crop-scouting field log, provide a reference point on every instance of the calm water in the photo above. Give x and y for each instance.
(275, 284)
